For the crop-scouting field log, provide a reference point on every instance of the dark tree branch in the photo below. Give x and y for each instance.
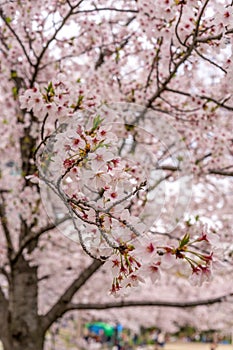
(158, 182)
(213, 37)
(220, 172)
(187, 53)
(203, 97)
(198, 21)
(179, 109)
(167, 80)
(53, 37)
(98, 9)
(32, 236)
(60, 307)
(199, 160)
(210, 61)
(105, 52)
(155, 63)
(177, 26)
(210, 171)
(120, 304)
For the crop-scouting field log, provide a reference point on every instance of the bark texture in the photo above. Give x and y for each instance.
(24, 331)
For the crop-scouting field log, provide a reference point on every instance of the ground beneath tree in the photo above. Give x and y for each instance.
(194, 346)
(183, 346)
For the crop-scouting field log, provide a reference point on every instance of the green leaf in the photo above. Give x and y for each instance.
(50, 89)
(180, 158)
(15, 92)
(129, 127)
(184, 240)
(188, 223)
(96, 122)
(13, 74)
(8, 20)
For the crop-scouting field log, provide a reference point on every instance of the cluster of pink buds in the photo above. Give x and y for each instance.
(146, 257)
(125, 269)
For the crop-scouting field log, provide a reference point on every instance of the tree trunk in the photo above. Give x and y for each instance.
(24, 329)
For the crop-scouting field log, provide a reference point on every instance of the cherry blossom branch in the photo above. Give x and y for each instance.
(210, 61)
(179, 109)
(99, 9)
(210, 171)
(202, 97)
(108, 53)
(16, 36)
(83, 245)
(158, 182)
(129, 195)
(127, 224)
(69, 3)
(71, 211)
(144, 303)
(177, 26)
(30, 41)
(53, 37)
(59, 60)
(213, 37)
(167, 80)
(43, 127)
(60, 307)
(188, 52)
(220, 172)
(107, 211)
(199, 160)
(66, 200)
(43, 142)
(88, 49)
(155, 64)
(198, 21)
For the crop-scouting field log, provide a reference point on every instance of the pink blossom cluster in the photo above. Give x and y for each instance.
(126, 111)
(147, 257)
(59, 99)
(100, 188)
(95, 182)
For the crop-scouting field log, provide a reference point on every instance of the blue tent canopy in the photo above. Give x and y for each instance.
(97, 327)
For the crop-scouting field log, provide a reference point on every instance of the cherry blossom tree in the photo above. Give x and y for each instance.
(116, 131)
